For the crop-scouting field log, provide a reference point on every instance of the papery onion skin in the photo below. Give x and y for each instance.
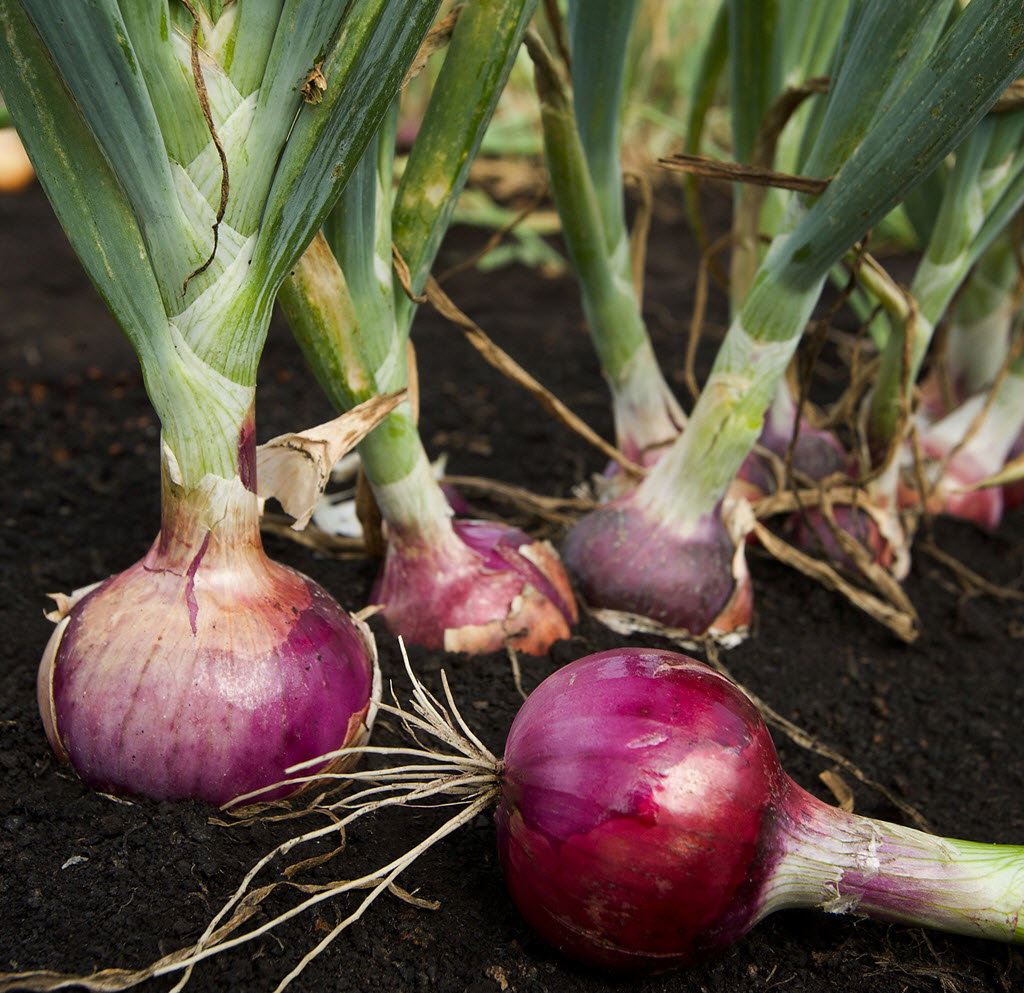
(627, 559)
(645, 823)
(474, 587)
(206, 669)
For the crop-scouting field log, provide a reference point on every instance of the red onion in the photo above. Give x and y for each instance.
(205, 670)
(474, 586)
(646, 823)
(954, 490)
(630, 559)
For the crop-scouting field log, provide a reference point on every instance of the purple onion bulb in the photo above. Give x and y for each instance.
(626, 558)
(474, 586)
(646, 823)
(205, 670)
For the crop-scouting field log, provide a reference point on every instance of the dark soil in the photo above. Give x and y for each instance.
(88, 882)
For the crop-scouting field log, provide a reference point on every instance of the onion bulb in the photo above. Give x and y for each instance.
(645, 823)
(634, 561)
(205, 670)
(474, 586)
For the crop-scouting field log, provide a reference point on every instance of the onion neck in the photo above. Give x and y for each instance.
(846, 863)
(212, 520)
(411, 501)
(647, 414)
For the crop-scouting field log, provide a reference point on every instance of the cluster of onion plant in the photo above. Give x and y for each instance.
(644, 823)
(190, 151)
(959, 213)
(967, 428)
(581, 125)
(643, 820)
(778, 58)
(446, 582)
(906, 88)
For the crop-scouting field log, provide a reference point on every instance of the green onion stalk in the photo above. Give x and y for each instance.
(582, 130)
(909, 83)
(190, 151)
(774, 49)
(982, 193)
(457, 584)
(980, 329)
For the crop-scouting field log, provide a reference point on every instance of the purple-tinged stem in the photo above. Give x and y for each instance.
(845, 863)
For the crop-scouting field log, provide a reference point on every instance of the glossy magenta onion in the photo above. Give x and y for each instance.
(206, 669)
(645, 823)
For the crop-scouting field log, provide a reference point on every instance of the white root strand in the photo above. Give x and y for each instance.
(470, 775)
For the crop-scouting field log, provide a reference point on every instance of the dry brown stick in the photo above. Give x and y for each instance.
(313, 537)
(505, 364)
(700, 304)
(746, 227)
(901, 619)
(554, 18)
(495, 239)
(561, 510)
(968, 577)
(736, 172)
(639, 232)
(508, 366)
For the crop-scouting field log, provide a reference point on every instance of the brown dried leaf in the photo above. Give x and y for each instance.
(437, 38)
(66, 601)
(295, 468)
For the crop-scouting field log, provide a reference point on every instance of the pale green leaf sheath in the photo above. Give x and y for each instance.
(582, 130)
(124, 149)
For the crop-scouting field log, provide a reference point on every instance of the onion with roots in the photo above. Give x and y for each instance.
(645, 823)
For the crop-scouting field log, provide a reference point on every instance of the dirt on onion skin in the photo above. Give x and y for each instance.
(88, 882)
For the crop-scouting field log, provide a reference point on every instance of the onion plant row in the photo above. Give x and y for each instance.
(208, 157)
